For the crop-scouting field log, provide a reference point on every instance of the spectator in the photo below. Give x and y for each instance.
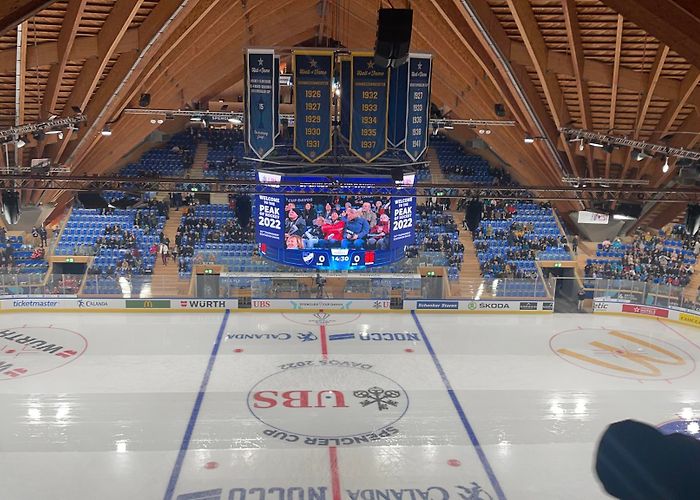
(356, 229)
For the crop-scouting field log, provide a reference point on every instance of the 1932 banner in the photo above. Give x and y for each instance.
(313, 91)
(276, 119)
(345, 86)
(261, 95)
(369, 107)
(398, 81)
(418, 105)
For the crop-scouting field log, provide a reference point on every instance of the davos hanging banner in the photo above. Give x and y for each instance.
(313, 91)
(418, 105)
(345, 86)
(369, 107)
(276, 119)
(260, 108)
(398, 81)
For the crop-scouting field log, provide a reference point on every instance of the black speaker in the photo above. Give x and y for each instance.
(10, 206)
(500, 109)
(692, 219)
(145, 100)
(243, 209)
(474, 209)
(393, 43)
(397, 174)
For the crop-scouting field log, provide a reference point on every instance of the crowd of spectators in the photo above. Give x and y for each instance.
(437, 231)
(194, 229)
(338, 222)
(520, 239)
(657, 257)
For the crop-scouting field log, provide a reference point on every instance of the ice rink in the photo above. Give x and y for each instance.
(324, 406)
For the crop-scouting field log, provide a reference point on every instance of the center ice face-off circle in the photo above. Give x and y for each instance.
(328, 399)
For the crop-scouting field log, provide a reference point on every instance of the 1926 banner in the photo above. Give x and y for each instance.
(398, 80)
(369, 107)
(345, 86)
(261, 95)
(418, 105)
(313, 82)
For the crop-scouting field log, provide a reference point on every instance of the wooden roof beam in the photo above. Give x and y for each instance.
(14, 12)
(573, 33)
(537, 49)
(128, 71)
(645, 99)
(615, 81)
(674, 23)
(111, 33)
(20, 80)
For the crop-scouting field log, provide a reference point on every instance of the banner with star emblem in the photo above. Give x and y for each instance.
(313, 92)
(369, 107)
(261, 95)
(398, 81)
(345, 86)
(418, 105)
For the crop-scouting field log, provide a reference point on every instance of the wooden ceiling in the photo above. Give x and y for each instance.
(593, 64)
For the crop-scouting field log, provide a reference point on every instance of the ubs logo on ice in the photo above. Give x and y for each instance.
(622, 354)
(30, 350)
(328, 402)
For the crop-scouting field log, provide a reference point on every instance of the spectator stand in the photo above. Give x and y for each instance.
(118, 243)
(171, 160)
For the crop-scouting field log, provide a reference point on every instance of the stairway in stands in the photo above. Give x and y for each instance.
(470, 275)
(200, 161)
(165, 279)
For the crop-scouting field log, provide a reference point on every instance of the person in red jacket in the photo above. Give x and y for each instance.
(333, 230)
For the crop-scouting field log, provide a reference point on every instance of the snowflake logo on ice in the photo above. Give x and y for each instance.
(377, 395)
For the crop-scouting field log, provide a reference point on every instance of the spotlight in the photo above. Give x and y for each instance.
(235, 121)
(160, 121)
(106, 131)
(665, 168)
(640, 155)
(580, 145)
(596, 143)
(529, 139)
(153, 121)
(609, 148)
(20, 143)
(60, 136)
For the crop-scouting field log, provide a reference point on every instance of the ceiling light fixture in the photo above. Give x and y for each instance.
(666, 167)
(106, 131)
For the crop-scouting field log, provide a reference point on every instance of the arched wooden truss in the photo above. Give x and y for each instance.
(596, 64)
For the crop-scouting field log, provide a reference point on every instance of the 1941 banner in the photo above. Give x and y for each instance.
(313, 89)
(261, 95)
(369, 107)
(418, 105)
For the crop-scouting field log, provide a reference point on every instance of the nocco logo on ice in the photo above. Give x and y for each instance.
(30, 350)
(622, 354)
(328, 402)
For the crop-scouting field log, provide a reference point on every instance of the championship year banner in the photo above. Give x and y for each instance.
(345, 86)
(398, 81)
(260, 108)
(403, 211)
(418, 105)
(270, 223)
(369, 107)
(313, 92)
